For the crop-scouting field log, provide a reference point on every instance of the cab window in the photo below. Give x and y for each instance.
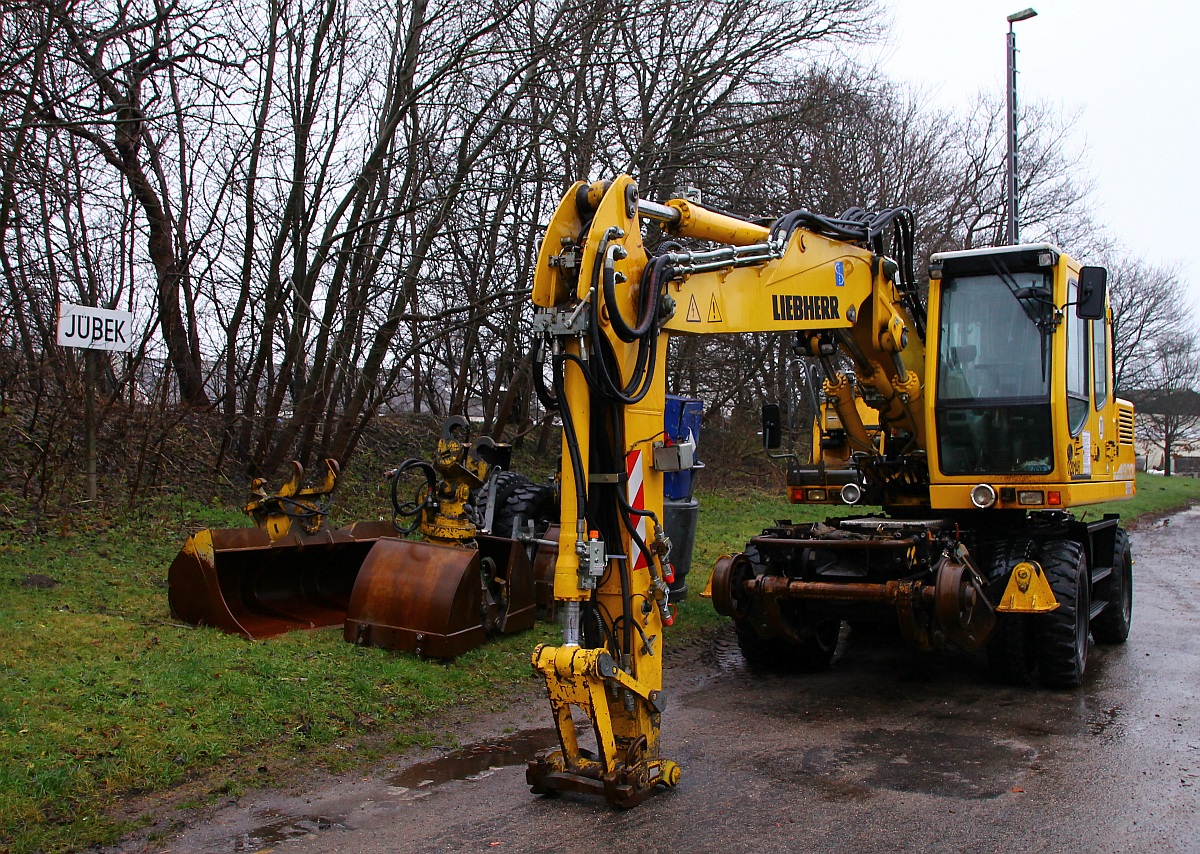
(1101, 369)
(1077, 359)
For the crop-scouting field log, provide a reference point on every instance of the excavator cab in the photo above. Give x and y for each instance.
(1020, 394)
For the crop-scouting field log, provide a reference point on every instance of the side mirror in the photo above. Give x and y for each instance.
(1093, 288)
(772, 426)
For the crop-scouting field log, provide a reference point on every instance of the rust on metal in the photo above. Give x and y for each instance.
(418, 597)
(439, 600)
(507, 585)
(291, 571)
(780, 587)
(963, 611)
(543, 573)
(834, 545)
(241, 581)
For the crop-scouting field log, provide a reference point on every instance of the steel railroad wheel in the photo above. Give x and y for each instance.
(778, 653)
(781, 655)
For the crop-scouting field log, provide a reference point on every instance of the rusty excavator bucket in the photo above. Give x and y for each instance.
(290, 571)
(442, 595)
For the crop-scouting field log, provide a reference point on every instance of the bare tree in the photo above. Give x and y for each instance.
(1052, 191)
(120, 77)
(1149, 305)
(1169, 408)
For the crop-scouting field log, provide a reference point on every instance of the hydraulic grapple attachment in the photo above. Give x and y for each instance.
(289, 572)
(442, 596)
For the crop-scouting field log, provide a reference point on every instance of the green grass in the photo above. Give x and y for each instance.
(103, 695)
(1155, 495)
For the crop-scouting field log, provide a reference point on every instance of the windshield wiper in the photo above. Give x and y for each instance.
(1033, 302)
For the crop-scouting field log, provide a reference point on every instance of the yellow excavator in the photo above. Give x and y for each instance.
(976, 416)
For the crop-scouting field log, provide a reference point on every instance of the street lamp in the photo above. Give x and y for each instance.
(1011, 171)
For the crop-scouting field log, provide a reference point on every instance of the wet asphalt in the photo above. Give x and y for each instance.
(892, 750)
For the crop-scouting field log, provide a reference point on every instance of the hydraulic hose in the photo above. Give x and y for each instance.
(544, 395)
(569, 435)
(649, 298)
(411, 509)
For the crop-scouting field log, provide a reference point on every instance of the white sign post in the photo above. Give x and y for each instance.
(93, 329)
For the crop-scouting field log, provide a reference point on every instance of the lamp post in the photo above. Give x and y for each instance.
(1011, 172)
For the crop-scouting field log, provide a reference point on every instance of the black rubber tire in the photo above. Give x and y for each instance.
(1112, 625)
(1010, 651)
(1062, 637)
(518, 500)
(778, 654)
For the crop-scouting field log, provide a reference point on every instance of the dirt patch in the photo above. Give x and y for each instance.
(41, 582)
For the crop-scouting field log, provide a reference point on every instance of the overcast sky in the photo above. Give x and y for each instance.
(1132, 70)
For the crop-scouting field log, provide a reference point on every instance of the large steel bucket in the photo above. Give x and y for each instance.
(440, 601)
(507, 585)
(240, 581)
(543, 573)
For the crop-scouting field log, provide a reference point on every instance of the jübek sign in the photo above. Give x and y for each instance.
(94, 328)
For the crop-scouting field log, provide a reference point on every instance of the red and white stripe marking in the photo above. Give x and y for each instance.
(637, 500)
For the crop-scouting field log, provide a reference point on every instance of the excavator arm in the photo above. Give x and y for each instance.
(606, 304)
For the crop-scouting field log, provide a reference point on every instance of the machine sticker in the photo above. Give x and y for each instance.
(1087, 453)
(807, 307)
(636, 495)
(693, 315)
(839, 274)
(714, 311)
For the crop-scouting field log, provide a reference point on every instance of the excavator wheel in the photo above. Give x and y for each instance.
(1062, 642)
(1112, 626)
(1010, 648)
(780, 655)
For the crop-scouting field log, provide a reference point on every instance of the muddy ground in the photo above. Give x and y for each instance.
(893, 750)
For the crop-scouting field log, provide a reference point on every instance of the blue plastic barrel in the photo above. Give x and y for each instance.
(682, 417)
(680, 509)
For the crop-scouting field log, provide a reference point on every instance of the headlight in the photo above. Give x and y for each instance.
(983, 496)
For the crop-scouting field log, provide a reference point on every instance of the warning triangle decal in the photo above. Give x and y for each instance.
(714, 313)
(693, 311)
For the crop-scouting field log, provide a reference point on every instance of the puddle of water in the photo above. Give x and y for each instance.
(471, 763)
(287, 828)
(474, 762)
(935, 763)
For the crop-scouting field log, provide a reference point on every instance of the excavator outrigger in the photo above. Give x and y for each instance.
(991, 412)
